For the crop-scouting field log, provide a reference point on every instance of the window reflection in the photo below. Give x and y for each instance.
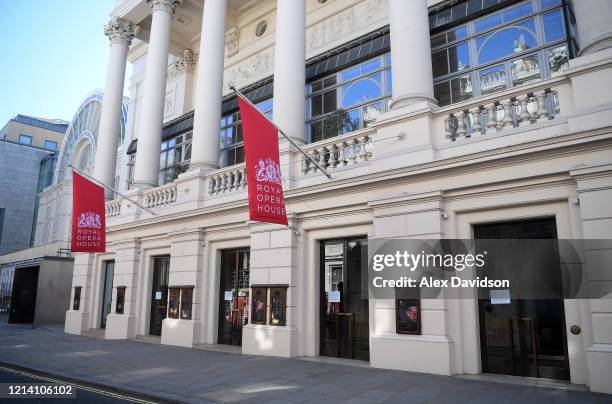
(553, 26)
(350, 99)
(558, 60)
(491, 55)
(503, 43)
(493, 79)
(525, 70)
(361, 90)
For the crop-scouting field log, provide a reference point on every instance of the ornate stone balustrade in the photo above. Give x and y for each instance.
(338, 152)
(227, 180)
(486, 116)
(160, 197)
(113, 208)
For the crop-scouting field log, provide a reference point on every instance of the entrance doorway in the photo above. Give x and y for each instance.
(23, 297)
(107, 291)
(344, 323)
(524, 337)
(159, 294)
(233, 296)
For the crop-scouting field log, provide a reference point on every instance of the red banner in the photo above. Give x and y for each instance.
(88, 216)
(266, 201)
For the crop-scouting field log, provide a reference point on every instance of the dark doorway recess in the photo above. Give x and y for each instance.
(524, 337)
(344, 320)
(159, 294)
(233, 296)
(23, 297)
(107, 291)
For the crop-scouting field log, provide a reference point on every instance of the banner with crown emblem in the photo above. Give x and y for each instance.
(265, 186)
(88, 216)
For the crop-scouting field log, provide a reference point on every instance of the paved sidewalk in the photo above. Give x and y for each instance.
(193, 375)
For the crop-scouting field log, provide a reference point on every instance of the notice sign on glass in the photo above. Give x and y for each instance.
(229, 295)
(334, 296)
(500, 296)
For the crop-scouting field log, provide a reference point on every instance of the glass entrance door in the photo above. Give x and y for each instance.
(522, 337)
(107, 291)
(159, 294)
(233, 296)
(344, 324)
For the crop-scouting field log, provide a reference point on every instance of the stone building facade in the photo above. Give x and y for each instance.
(436, 119)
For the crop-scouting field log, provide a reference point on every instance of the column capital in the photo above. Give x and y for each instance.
(118, 30)
(165, 5)
(186, 61)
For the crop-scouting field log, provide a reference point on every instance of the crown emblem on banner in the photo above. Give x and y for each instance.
(89, 220)
(268, 171)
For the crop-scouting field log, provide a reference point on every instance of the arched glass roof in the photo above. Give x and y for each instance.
(81, 136)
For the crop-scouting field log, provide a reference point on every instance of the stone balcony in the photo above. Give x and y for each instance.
(418, 137)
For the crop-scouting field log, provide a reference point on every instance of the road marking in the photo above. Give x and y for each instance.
(78, 386)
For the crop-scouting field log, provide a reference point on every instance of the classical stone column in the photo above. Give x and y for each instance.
(412, 73)
(209, 90)
(120, 32)
(290, 68)
(594, 23)
(154, 92)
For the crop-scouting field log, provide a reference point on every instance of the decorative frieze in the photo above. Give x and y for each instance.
(345, 23)
(324, 33)
(250, 70)
(232, 41)
(119, 29)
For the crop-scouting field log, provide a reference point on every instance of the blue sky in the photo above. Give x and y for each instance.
(53, 53)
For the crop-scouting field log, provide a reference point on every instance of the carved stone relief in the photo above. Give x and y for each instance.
(232, 41)
(336, 27)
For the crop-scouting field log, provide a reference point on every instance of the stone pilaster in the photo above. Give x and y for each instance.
(77, 321)
(187, 263)
(127, 265)
(274, 261)
(414, 217)
(594, 186)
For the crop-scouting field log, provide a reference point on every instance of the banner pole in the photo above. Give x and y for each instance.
(111, 189)
(324, 171)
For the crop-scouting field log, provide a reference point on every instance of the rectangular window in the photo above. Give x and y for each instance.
(407, 311)
(278, 306)
(231, 144)
(174, 295)
(351, 98)
(50, 145)
(186, 303)
(180, 301)
(25, 139)
(76, 304)
(174, 157)
(514, 46)
(120, 304)
(259, 304)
